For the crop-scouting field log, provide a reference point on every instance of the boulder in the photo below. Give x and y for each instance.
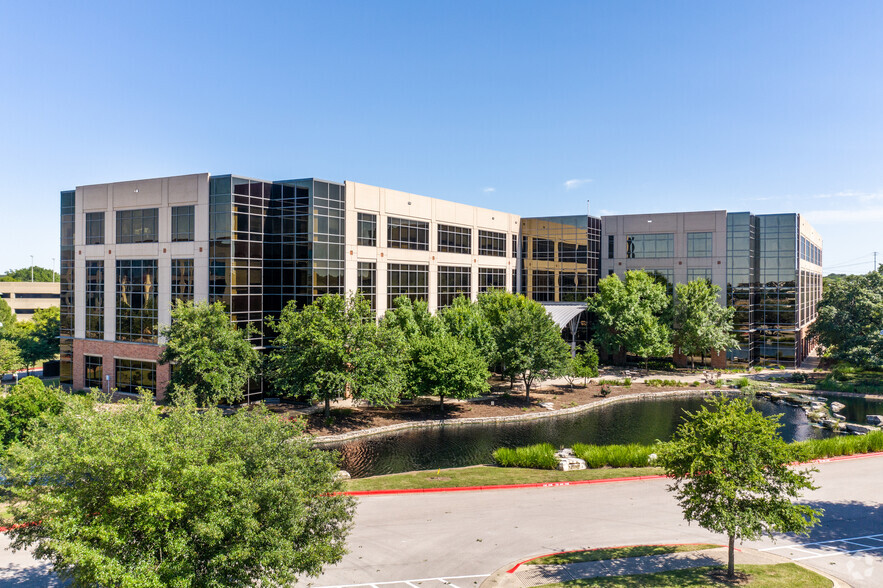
(567, 464)
(874, 419)
(547, 405)
(342, 475)
(837, 406)
(858, 429)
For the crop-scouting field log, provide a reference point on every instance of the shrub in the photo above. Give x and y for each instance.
(742, 383)
(540, 456)
(615, 456)
(627, 382)
(843, 372)
(22, 407)
(840, 445)
(656, 383)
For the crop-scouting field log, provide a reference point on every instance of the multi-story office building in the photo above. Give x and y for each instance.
(769, 267)
(129, 250)
(25, 298)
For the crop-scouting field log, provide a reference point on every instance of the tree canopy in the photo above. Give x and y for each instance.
(630, 315)
(10, 357)
(133, 497)
(212, 359)
(41, 274)
(731, 473)
(465, 319)
(850, 319)
(37, 339)
(7, 318)
(22, 407)
(333, 346)
(446, 365)
(701, 324)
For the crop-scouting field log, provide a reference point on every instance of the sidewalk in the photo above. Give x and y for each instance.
(526, 576)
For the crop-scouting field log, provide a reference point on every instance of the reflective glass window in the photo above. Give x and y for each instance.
(182, 280)
(543, 249)
(453, 281)
(136, 300)
(367, 229)
(491, 243)
(405, 233)
(366, 274)
(132, 374)
(699, 245)
(491, 278)
(137, 226)
(650, 246)
(452, 239)
(403, 279)
(95, 299)
(95, 228)
(182, 223)
(94, 377)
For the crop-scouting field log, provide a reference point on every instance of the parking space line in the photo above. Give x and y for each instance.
(836, 553)
(844, 540)
(411, 583)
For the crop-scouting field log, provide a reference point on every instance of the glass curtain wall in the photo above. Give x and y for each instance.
(741, 284)
(95, 299)
(66, 259)
(776, 313)
(560, 258)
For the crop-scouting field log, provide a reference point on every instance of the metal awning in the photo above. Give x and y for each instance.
(564, 312)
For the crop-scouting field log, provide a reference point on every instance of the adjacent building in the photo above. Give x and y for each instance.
(129, 250)
(25, 298)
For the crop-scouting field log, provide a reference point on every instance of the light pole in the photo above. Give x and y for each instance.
(32, 268)
(53, 269)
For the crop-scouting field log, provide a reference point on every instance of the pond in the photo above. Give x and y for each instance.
(641, 421)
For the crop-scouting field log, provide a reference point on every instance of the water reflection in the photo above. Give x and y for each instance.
(642, 421)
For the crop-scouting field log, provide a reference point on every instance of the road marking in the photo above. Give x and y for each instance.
(443, 579)
(848, 541)
(843, 540)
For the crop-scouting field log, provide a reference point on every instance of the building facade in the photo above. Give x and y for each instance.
(24, 298)
(130, 250)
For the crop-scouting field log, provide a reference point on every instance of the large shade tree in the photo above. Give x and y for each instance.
(136, 497)
(850, 319)
(334, 346)
(701, 324)
(732, 473)
(445, 365)
(213, 360)
(465, 320)
(37, 339)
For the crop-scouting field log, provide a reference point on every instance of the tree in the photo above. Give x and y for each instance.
(850, 319)
(41, 274)
(7, 318)
(532, 344)
(136, 497)
(585, 362)
(447, 365)
(465, 319)
(22, 407)
(411, 318)
(333, 346)
(731, 473)
(37, 339)
(213, 360)
(701, 324)
(10, 358)
(630, 315)
(495, 305)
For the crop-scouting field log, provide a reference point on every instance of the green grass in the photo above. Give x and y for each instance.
(540, 456)
(614, 456)
(616, 553)
(840, 445)
(785, 575)
(488, 476)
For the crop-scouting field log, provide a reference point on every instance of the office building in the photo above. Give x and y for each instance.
(24, 298)
(129, 250)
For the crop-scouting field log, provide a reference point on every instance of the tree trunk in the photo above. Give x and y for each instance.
(731, 572)
(441, 403)
(327, 408)
(512, 382)
(527, 389)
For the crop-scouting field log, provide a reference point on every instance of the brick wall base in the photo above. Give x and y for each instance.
(718, 359)
(108, 351)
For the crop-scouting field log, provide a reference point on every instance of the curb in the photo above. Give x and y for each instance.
(519, 564)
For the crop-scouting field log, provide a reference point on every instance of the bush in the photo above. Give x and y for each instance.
(23, 406)
(840, 445)
(742, 383)
(843, 372)
(540, 456)
(656, 383)
(614, 456)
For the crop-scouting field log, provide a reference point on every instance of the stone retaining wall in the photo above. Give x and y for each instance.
(333, 439)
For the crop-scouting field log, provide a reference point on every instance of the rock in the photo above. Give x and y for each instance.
(858, 429)
(567, 464)
(874, 419)
(837, 406)
(564, 453)
(817, 405)
(547, 405)
(652, 458)
(342, 475)
(839, 417)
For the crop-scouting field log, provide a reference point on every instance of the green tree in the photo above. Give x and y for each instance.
(213, 360)
(445, 365)
(731, 474)
(133, 497)
(585, 362)
(41, 274)
(22, 407)
(701, 324)
(630, 315)
(10, 358)
(532, 344)
(411, 318)
(850, 320)
(37, 339)
(466, 320)
(7, 318)
(333, 346)
(495, 305)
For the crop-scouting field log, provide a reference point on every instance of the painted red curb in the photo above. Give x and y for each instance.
(573, 483)
(512, 571)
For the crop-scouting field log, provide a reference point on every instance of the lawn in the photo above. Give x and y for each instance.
(785, 575)
(616, 553)
(489, 476)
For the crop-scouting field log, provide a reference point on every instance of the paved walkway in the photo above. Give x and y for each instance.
(526, 575)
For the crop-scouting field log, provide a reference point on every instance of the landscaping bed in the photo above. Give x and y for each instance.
(786, 575)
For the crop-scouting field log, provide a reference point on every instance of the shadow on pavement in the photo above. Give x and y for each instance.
(32, 576)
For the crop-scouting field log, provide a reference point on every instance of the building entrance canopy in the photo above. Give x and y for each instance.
(563, 313)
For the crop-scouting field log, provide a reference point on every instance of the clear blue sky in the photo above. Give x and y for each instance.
(532, 108)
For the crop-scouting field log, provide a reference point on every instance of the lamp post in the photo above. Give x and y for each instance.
(32, 268)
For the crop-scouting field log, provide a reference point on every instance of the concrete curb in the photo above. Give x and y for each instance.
(333, 439)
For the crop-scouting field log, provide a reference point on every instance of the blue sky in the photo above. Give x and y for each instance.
(532, 108)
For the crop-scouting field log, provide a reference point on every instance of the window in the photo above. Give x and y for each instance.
(367, 229)
(664, 277)
(699, 273)
(94, 376)
(490, 278)
(453, 239)
(543, 283)
(411, 280)
(573, 286)
(137, 226)
(453, 281)
(610, 242)
(650, 246)
(182, 280)
(136, 300)
(514, 245)
(698, 244)
(94, 228)
(132, 374)
(404, 233)
(543, 249)
(572, 253)
(95, 299)
(366, 276)
(182, 223)
(491, 243)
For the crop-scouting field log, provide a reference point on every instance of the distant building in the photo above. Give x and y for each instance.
(130, 249)
(26, 297)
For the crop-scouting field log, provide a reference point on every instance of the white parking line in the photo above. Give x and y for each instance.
(843, 540)
(848, 541)
(443, 579)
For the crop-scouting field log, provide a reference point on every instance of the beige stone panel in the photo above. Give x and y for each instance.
(94, 197)
(453, 213)
(138, 194)
(365, 197)
(446, 258)
(407, 205)
(638, 223)
(491, 219)
(408, 256)
(136, 250)
(185, 189)
(703, 221)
